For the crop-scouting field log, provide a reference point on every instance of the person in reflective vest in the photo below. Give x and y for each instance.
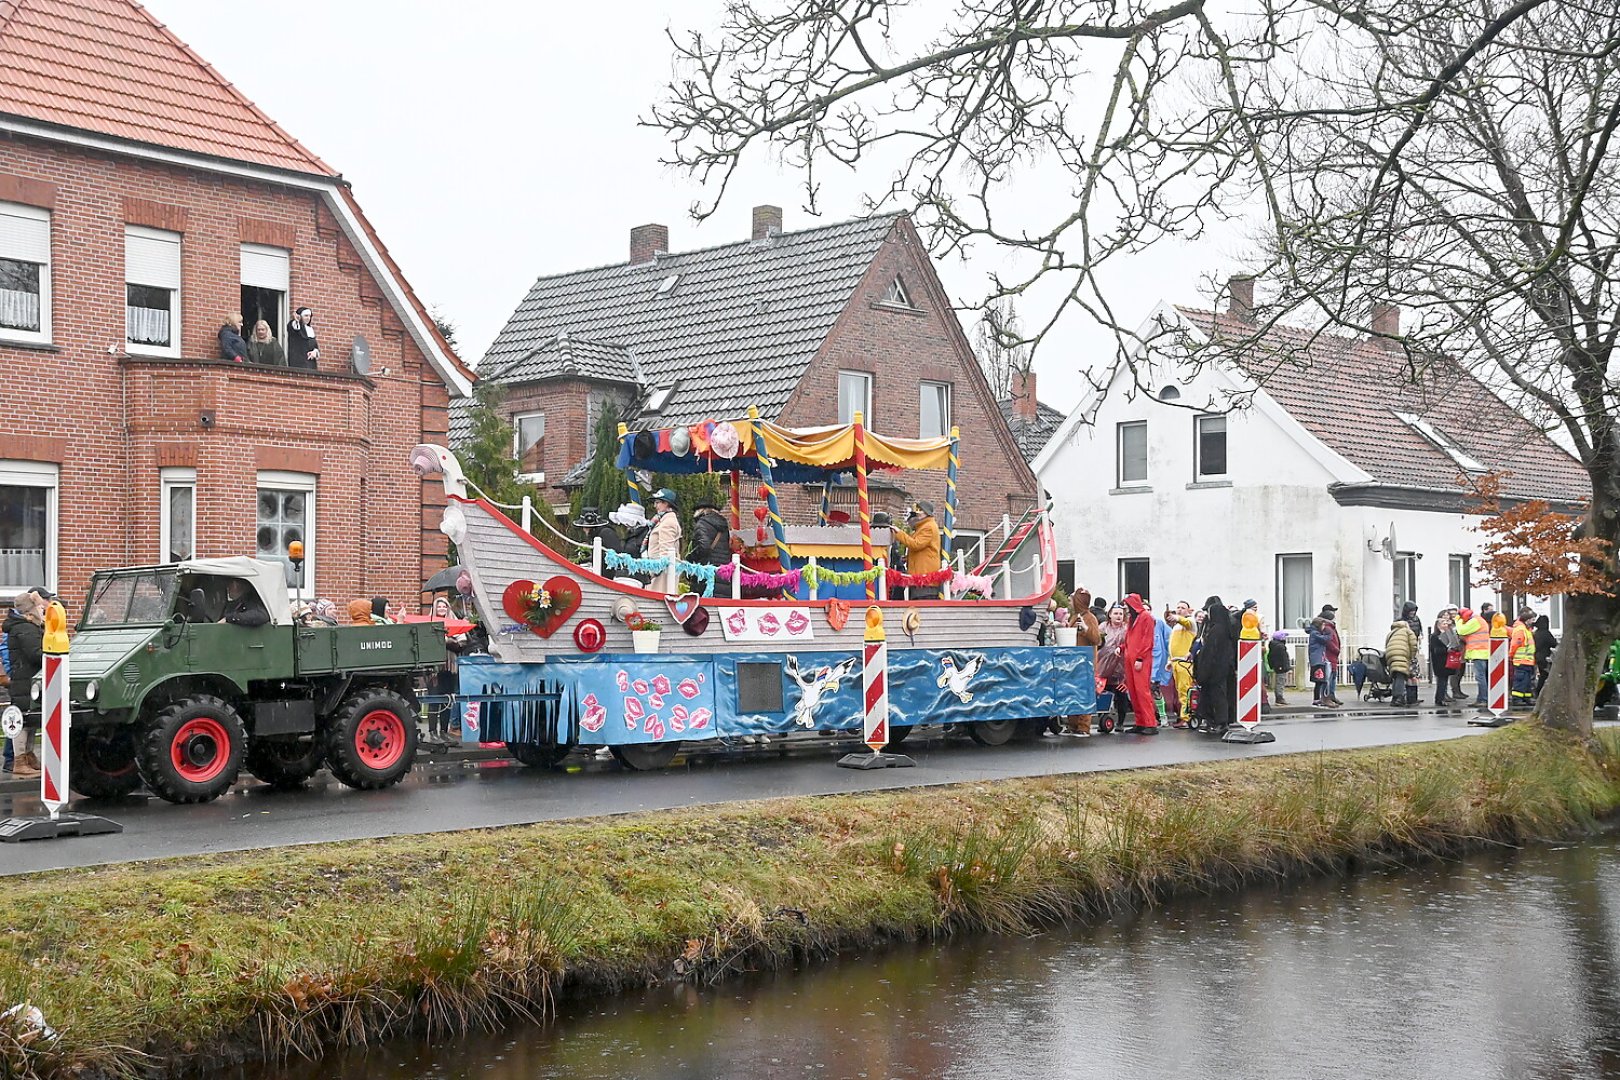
(1522, 657)
(1476, 638)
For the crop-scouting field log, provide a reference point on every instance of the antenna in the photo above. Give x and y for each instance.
(360, 355)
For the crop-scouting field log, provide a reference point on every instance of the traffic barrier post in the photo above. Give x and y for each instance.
(875, 698)
(1250, 685)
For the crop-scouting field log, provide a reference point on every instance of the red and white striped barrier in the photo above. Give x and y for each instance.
(875, 697)
(1498, 672)
(56, 708)
(1249, 684)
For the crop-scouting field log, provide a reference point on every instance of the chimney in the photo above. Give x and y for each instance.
(1386, 320)
(647, 241)
(1240, 293)
(767, 222)
(1025, 404)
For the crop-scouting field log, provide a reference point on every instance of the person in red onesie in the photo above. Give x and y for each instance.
(1139, 665)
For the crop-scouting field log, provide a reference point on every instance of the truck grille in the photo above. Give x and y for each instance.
(132, 674)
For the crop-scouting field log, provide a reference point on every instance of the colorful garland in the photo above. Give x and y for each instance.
(813, 576)
(703, 572)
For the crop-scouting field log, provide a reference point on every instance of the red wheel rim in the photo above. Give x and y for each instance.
(379, 739)
(201, 749)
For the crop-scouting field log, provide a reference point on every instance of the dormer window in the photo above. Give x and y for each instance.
(1466, 461)
(897, 296)
(667, 286)
(660, 398)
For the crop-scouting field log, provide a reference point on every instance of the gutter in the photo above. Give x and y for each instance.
(1431, 500)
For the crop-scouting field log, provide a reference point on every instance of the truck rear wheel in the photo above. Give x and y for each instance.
(192, 750)
(284, 764)
(537, 755)
(645, 757)
(370, 742)
(103, 762)
(992, 732)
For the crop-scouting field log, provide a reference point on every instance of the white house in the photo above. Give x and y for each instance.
(1338, 481)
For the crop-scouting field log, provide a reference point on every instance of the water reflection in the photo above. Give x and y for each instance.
(1499, 966)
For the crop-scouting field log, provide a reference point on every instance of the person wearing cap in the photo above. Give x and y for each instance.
(303, 351)
(711, 535)
(1330, 615)
(663, 541)
(1476, 638)
(923, 553)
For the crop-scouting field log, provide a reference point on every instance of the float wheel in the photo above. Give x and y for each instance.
(370, 742)
(192, 750)
(537, 755)
(992, 732)
(284, 763)
(646, 757)
(104, 762)
(1026, 730)
(898, 735)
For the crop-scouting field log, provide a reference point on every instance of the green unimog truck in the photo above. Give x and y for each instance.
(183, 675)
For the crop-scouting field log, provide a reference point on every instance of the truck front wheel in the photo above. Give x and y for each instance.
(370, 741)
(103, 762)
(192, 750)
(284, 764)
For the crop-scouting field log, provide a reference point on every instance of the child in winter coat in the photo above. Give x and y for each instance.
(1281, 663)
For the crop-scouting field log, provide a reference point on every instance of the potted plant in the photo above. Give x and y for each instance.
(644, 633)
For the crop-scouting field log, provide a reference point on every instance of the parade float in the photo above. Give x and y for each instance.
(581, 654)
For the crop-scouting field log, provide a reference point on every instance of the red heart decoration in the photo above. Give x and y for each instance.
(760, 512)
(837, 613)
(681, 607)
(564, 589)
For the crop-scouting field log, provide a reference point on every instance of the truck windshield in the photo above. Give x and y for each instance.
(125, 599)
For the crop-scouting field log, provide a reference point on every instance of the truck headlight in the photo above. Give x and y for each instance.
(35, 689)
(90, 689)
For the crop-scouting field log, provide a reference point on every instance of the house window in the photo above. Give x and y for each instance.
(1294, 590)
(25, 273)
(854, 396)
(151, 290)
(934, 410)
(660, 398)
(177, 514)
(1131, 441)
(1405, 579)
(27, 525)
(1461, 587)
(286, 513)
(1209, 447)
(897, 296)
(970, 542)
(529, 445)
(266, 280)
(1466, 461)
(1134, 578)
(1065, 575)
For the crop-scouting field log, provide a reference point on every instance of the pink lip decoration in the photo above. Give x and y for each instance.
(656, 700)
(700, 719)
(595, 717)
(624, 681)
(654, 727)
(639, 686)
(797, 623)
(590, 701)
(688, 688)
(769, 625)
(633, 709)
(677, 718)
(629, 719)
(737, 622)
(660, 684)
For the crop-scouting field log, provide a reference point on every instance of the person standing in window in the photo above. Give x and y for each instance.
(302, 349)
(264, 349)
(232, 346)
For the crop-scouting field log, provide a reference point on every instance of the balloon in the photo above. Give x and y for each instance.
(464, 583)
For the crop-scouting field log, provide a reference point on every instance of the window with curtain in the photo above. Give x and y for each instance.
(151, 290)
(179, 514)
(1294, 590)
(25, 273)
(1132, 447)
(854, 396)
(27, 525)
(529, 443)
(1211, 447)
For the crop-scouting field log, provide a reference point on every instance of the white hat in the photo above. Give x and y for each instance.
(723, 440)
(630, 515)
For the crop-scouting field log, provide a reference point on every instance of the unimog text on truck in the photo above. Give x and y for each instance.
(182, 675)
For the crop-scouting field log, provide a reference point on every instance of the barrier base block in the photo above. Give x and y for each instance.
(16, 830)
(1240, 734)
(1492, 720)
(878, 760)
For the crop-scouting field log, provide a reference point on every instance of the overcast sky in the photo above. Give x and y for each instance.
(491, 143)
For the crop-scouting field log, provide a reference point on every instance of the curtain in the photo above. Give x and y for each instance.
(147, 326)
(19, 310)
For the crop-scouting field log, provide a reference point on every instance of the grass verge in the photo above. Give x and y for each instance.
(146, 968)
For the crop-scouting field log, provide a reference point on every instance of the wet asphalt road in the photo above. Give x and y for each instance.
(459, 794)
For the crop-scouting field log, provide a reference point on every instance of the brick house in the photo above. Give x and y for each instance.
(809, 326)
(142, 199)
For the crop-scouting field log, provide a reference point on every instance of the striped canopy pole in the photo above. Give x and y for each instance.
(778, 526)
(875, 682)
(736, 499)
(826, 500)
(55, 705)
(863, 502)
(1249, 686)
(1497, 674)
(948, 524)
(630, 471)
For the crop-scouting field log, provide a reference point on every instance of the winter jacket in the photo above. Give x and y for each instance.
(1334, 645)
(1400, 649)
(922, 547)
(1320, 640)
(25, 640)
(711, 538)
(1410, 617)
(232, 345)
(1476, 638)
(266, 353)
(664, 538)
(1521, 645)
(1279, 657)
(1545, 642)
(1439, 649)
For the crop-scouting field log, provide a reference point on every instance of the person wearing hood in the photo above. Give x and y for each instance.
(1164, 684)
(711, 535)
(1400, 656)
(1409, 615)
(1139, 640)
(25, 641)
(1215, 667)
(1545, 644)
(303, 351)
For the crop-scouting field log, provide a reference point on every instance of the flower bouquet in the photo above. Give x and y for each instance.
(541, 605)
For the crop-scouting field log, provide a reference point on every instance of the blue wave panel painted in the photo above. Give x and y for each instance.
(634, 699)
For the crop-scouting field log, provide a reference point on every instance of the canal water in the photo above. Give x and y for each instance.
(1502, 965)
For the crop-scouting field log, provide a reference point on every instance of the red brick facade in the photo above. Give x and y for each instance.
(570, 419)
(111, 423)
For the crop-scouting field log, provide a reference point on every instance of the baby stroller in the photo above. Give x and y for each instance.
(1371, 675)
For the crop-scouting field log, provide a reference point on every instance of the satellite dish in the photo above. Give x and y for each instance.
(1389, 544)
(360, 355)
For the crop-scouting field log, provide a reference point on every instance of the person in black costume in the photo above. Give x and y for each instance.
(1545, 644)
(1215, 667)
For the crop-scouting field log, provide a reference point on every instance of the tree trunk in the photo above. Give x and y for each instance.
(1566, 701)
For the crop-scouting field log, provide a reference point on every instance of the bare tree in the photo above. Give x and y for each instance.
(997, 342)
(1453, 157)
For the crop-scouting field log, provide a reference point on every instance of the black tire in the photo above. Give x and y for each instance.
(537, 755)
(103, 761)
(646, 757)
(284, 764)
(898, 735)
(370, 742)
(1026, 730)
(992, 732)
(192, 750)
(1107, 722)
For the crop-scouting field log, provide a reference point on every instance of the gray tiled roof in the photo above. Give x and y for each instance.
(1031, 435)
(738, 326)
(569, 356)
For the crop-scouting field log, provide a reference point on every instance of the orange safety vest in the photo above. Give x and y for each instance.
(1476, 637)
(1522, 644)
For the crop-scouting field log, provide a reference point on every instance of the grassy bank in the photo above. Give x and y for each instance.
(144, 967)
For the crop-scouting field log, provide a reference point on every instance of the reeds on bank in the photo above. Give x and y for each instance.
(147, 968)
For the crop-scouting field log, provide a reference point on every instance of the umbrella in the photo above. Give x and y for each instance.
(452, 625)
(443, 581)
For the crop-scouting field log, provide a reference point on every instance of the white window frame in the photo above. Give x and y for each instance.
(171, 480)
(308, 484)
(41, 475)
(163, 236)
(1199, 472)
(42, 336)
(970, 542)
(1120, 572)
(257, 272)
(945, 428)
(1120, 479)
(866, 411)
(897, 295)
(1463, 596)
(1286, 620)
(517, 444)
(1465, 461)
